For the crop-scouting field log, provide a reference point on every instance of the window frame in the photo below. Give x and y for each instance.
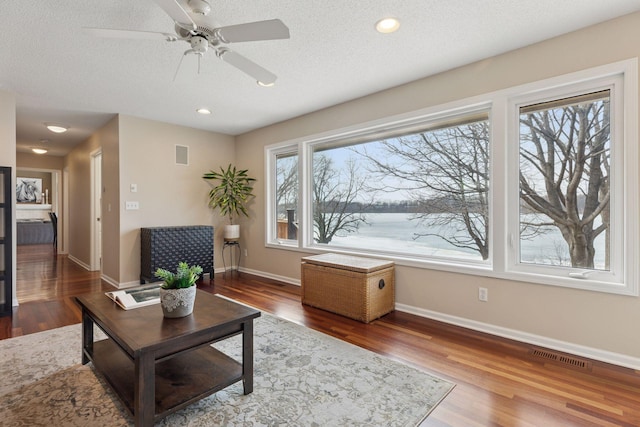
(622, 276)
(503, 112)
(271, 209)
(420, 124)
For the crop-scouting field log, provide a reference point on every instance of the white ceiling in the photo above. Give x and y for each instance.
(61, 74)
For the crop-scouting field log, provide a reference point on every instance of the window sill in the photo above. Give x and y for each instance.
(483, 270)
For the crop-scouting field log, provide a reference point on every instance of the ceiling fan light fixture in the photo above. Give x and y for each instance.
(39, 150)
(387, 25)
(203, 111)
(272, 84)
(56, 128)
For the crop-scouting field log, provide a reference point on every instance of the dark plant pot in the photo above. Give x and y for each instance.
(177, 302)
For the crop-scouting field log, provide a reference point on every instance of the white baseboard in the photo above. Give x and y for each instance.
(111, 281)
(538, 340)
(104, 277)
(284, 279)
(513, 334)
(80, 263)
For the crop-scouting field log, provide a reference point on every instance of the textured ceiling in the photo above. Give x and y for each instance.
(60, 73)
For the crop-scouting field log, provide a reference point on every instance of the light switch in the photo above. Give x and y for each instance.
(134, 188)
(131, 206)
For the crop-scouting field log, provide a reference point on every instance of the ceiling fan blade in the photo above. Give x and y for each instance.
(247, 66)
(272, 29)
(177, 13)
(129, 34)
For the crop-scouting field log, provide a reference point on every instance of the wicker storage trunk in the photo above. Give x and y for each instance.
(359, 288)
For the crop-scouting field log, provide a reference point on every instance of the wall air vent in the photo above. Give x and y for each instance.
(182, 155)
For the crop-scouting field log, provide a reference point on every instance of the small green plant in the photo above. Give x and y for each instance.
(184, 277)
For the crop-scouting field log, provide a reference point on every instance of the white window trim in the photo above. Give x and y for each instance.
(501, 106)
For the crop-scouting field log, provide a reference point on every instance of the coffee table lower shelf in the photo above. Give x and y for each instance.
(179, 381)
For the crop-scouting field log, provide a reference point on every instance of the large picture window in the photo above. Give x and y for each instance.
(422, 193)
(536, 183)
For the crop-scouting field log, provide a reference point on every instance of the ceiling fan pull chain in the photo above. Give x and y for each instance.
(186, 52)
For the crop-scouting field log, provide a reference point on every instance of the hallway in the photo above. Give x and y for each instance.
(40, 278)
(45, 286)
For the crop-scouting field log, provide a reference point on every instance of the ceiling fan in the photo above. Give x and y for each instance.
(203, 38)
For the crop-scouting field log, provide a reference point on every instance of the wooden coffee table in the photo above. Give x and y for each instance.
(158, 365)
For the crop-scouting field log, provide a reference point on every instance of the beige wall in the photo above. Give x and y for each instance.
(168, 194)
(7, 129)
(39, 161)
(600, 325)
(141, 152)
(8, 158)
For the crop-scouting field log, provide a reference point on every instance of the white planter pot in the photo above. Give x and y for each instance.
(177, 302)
(232, 232)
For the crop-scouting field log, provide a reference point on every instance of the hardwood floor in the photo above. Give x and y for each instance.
(499, 382)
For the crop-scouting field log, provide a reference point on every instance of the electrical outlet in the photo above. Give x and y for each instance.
(246, 253)
(483, 294)
(131, 206)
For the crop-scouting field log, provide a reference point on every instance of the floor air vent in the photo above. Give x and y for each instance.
(565, 360)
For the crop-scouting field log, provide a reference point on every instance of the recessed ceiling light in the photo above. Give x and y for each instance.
(203, 111)
(56, 128)
(39, 150)
(272, 84)
(387, 25)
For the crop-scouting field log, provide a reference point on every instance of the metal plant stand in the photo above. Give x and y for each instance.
(234, 246)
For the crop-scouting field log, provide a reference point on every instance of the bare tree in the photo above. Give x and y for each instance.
(335, 193)
(286, 184)
(564, 173)
(446, 171)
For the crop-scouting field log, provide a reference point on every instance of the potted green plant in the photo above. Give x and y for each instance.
(233, 189)
(178, 292)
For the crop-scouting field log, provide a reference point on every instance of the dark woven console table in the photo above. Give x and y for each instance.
(165, 247)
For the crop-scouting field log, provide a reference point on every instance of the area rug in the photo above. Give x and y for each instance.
(302, 378)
